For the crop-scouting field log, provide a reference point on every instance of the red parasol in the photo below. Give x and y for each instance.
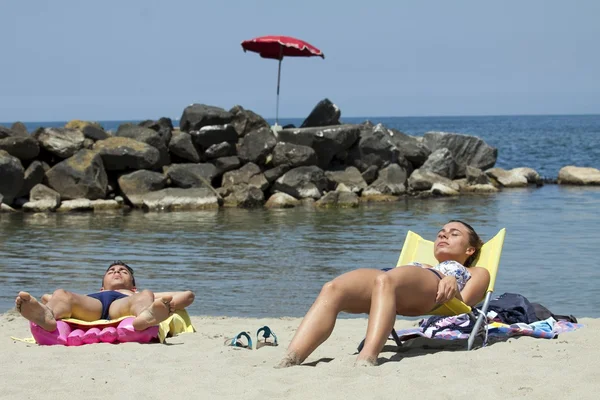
(277, 47)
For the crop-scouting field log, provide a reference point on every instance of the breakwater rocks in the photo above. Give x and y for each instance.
(219, 158)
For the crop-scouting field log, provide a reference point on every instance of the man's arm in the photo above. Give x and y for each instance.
(180, 299)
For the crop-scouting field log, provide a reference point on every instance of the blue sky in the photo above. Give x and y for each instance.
(138, 59)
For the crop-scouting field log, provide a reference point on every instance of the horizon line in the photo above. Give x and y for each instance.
(341, 118)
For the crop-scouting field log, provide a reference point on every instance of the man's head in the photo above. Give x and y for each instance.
(118, 276)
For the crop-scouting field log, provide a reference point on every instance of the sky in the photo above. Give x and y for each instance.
(145, 59)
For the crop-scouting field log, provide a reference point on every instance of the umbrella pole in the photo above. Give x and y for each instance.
(278, 80)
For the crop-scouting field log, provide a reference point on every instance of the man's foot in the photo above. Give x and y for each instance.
(289, 360)
(157, 312)
(35, 311)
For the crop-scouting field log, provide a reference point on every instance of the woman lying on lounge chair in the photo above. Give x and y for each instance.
(409, 290)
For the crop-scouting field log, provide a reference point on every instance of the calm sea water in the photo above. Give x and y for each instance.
(260, 263)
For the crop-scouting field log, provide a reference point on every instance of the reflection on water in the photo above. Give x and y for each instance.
(273, 263)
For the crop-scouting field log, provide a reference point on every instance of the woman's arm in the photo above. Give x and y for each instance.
(474, 290)
(180, 299)
(447, 289)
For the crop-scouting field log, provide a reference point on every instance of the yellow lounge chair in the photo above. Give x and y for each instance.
(416, 248)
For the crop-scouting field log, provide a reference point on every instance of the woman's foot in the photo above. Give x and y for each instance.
(289, 360)
(35, 311)
(157, 312)
(366, 362)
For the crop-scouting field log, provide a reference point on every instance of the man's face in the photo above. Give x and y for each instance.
(117, 277)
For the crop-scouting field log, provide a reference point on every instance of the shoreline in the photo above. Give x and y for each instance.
(199, 365)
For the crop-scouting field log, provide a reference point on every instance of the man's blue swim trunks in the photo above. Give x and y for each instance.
(106, 298)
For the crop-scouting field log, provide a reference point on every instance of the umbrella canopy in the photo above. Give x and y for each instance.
(278, 47)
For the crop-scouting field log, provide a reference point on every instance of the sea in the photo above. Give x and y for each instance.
(273, 263)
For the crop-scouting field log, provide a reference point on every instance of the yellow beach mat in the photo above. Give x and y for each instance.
(177, 323)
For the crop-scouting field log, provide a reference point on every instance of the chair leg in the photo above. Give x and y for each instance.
(396, 338)
(479, 321)
(394, 335)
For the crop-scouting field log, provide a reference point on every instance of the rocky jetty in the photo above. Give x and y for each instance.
(219, 158)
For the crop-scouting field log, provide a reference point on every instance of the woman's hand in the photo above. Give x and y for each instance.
(447, 289)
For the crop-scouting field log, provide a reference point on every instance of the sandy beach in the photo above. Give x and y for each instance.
(199, 365)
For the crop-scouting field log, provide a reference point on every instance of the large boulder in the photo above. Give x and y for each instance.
(177, 199)
(19, 129)
(256, 146)
(391, 180)
(572, 175)
(249, 175)
(42, 199)
(303, 182)
(11, 177)
(209, 135)
(338, 199)
(164, 128)
(293, 155)
(80, 176)
(421, 180)
(246, 121)
(328, 142)
(182, 147)
(370, 174)
(350, 177)
(196, 116)
(442, 163)
(61, 142)
(138, 183)
(223, 149)
(440, 189)
(273, 173)
(325, 113)
(90, 130)
(281, 200)
(122, 154)
(83, 205)
(516, 177)
(374, 147)
(148, 136)
(409, 147)
(5, 132)
(34, 175)
(23, 147)
(245, 196)
(191, 175)
(475, 176)
(225, 164)
(466, 150)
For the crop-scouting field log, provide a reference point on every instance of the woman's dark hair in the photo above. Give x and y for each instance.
(474, 240)
(119, 262)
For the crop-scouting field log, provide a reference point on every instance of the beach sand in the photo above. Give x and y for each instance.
(199, 366)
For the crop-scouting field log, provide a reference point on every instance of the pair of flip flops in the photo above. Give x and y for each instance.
(247, 344)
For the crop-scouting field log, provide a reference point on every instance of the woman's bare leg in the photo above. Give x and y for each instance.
(406, 291)
(147, 310)
(62, 304)
(350, 292)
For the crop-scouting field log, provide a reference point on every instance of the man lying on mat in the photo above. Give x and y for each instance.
(117, 298)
